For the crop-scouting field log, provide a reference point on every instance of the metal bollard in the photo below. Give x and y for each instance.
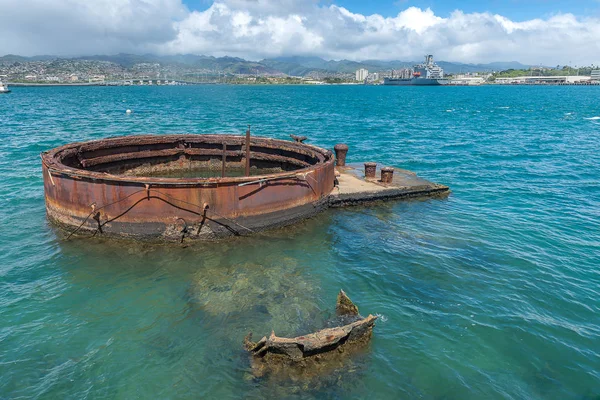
(387, 175)
(370, 170)
(340, 154)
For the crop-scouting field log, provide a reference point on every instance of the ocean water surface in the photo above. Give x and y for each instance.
(492, 293)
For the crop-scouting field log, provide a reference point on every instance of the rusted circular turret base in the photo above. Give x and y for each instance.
(125, 187)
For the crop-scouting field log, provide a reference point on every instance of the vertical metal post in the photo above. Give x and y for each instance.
(340, 154)
(224, 160)
(248, 151)
(387, 175)
(370, 170)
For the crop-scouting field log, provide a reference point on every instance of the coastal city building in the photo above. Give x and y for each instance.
(97, 78)
(544, 80)
(361, 74)
(468, 79)
(595, 76)
(372, 78)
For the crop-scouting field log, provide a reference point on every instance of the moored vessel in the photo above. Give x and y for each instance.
(4, 88)
(425, 74)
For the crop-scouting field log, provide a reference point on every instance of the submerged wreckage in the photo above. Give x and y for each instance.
(284, 355)
(178, 187)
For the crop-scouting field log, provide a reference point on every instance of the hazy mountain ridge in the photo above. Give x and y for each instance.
(291, 65)
(347, 66)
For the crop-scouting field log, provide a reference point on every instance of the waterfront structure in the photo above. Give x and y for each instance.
(595, 76)
(467, 80)
(427, 73)
(362, 74)
(97, 78)
(373, 78)
(136, 186)
(532, 80)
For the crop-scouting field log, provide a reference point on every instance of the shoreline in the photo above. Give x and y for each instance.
(21, 84)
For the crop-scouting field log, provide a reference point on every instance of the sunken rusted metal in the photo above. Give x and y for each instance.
(299, 139)
(387, 175)
(305, 355)
(340, 154)
(105, 187)
(370, 170)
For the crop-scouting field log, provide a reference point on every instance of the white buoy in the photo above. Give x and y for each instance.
(128, 111)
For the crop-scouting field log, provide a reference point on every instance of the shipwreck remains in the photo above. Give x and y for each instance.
(178, 187)
(129, 186)
(315, 350)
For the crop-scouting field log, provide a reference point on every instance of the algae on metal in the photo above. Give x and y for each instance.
(315, 353)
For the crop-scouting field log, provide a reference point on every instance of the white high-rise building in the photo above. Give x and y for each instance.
(596, 75)
(361, 74)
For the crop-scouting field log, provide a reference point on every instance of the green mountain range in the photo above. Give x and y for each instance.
(294, 66)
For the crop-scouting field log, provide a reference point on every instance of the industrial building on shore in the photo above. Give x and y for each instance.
(550, 80)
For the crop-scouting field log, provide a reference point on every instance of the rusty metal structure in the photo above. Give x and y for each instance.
(341, 150)
(307, 355)
(113, 187)
(387, 175)
(370, 170)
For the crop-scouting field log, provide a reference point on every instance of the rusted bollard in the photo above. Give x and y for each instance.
(387, 174)
(340, 154)
(370, 170)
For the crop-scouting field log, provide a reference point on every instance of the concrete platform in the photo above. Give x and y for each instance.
(354, 188)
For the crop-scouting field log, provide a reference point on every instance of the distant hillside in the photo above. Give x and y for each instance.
(233, 65)
(14, 58)
(301, 65)
(500, 66)
(317, 64)
(294, 65)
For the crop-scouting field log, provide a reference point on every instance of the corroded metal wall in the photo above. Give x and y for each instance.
(81, 195)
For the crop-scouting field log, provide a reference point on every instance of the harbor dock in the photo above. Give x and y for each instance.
(355, 188)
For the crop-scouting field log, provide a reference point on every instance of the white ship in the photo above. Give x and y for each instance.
(4, 88)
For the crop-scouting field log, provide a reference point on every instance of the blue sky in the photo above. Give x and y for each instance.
(517, 10)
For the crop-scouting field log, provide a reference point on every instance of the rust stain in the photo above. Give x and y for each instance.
(79, 175)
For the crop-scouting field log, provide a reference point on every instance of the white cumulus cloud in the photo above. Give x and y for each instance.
(264, 28)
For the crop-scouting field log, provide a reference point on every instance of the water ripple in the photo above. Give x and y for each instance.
(491, 293)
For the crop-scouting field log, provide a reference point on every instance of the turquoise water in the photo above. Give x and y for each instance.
(492, 293)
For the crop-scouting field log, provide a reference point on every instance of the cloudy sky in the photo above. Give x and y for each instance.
(548, 32)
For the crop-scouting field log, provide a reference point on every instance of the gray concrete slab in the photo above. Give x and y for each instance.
(354, 188)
